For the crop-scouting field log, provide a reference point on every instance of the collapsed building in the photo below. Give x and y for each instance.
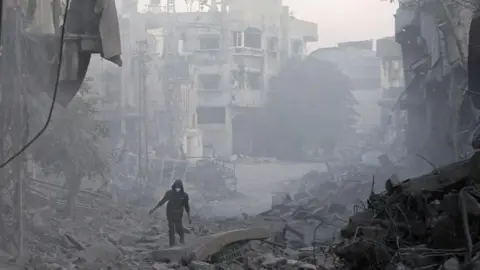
(393, 120)
(441, 112)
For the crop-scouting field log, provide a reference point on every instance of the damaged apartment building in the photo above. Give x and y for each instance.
(441, 111)
(393, 119)
(233, 51)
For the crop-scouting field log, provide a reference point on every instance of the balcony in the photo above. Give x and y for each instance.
(214, 98)
(248, 98)
(246, 51)
(205, 58)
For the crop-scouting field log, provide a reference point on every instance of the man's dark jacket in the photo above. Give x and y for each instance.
(176, 201)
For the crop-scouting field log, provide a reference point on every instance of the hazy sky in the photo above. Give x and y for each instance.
(343, 20)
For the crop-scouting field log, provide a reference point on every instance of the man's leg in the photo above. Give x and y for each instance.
(171, 233)
(180, 231)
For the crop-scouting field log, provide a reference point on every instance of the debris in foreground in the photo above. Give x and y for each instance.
(428, 222)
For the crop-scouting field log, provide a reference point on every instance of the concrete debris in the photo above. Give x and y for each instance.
(317, 211)
(205, 247)
(272, 262)
(213, 178)
(113, 236)
(198, 265)
(427, 222)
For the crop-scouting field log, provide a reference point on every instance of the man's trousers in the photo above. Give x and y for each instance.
(175, 225)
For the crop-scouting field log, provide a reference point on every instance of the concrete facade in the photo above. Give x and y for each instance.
(393, 88)
(441, 114)
(123, 111)
(184, 96)
(234, 55)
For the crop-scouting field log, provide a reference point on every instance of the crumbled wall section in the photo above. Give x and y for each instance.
(434, 38)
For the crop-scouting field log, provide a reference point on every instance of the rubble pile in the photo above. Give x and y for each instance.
(301, 227)
(320, 207)
(214, 179)
(428, 222)
(106, 237)
(94, 241)
(250, 248)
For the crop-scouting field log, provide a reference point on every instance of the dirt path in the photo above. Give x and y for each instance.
(256, 183)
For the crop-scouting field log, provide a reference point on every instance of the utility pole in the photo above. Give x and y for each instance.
(170, 80)
(141, 58)
(14, 116)
(224, 27)
(225, 60)
(20, 126)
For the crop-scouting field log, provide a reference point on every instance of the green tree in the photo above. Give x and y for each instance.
(310, 106)
(73, 147)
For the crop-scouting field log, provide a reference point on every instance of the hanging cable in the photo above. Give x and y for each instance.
(54, 97)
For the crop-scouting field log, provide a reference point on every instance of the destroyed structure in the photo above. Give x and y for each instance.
(91, 29)
(393, 119)
(199, 76)
(232, 56)
(440, 114)
(223, 64)
(347, 218)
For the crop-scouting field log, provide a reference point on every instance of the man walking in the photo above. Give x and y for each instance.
(177, 200)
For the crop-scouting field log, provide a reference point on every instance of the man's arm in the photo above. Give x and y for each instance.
(161, 202)
(187, 207)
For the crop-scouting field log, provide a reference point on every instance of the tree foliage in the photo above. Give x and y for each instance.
(72, 143)
(73, 146)
(310, 106)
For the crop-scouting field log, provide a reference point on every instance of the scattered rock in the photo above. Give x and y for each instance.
(198, 265)
(272, 262)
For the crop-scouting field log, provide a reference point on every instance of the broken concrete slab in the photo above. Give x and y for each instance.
(306, 266)
(100, 252)
(172, 254)
(207, 246)
(197, 265)
(160, 266)
(272, 262)
(437, 210)
(440, 178)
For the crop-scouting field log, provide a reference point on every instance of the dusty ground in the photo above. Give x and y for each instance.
(256, 184)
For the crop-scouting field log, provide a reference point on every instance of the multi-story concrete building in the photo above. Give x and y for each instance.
(393, 87)
(441, 113)
(234, 54)
(121, 95)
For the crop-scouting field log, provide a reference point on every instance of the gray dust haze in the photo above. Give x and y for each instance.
(239, 134)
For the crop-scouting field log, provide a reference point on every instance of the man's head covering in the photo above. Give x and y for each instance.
(178, 184)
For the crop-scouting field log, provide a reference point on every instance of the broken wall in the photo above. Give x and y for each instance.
(434, 41)
(393, 87)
